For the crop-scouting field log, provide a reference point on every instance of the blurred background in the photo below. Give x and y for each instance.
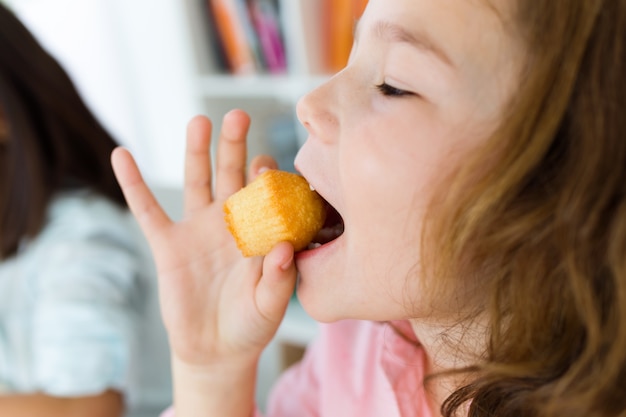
(146, 67)
(131, 60)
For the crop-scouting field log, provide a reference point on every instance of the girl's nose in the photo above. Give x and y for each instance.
(317, 111)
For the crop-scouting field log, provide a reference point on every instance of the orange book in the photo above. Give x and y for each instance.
(342, 16)
(233, 37)
(359, 7)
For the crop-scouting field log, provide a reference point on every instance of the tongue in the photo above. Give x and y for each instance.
(333, 227)
(328, 233)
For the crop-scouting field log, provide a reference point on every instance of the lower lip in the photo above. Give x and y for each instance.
(311, 253)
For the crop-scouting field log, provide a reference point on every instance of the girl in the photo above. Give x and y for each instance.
(73, 273)
(475, 153)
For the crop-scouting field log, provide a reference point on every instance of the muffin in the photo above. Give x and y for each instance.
(278, 206)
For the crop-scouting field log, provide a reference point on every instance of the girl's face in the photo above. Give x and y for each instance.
(426, 83)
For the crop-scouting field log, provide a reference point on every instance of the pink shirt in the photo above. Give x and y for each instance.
(354, 368)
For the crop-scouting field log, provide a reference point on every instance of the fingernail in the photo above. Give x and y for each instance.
(287, 264)
(263, 169)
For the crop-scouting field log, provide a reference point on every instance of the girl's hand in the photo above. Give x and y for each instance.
(217, 306)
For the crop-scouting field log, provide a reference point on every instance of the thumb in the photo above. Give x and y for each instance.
(277, 282)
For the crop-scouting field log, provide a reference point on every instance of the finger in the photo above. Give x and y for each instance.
(149, 214)
(259, 165)
(198, 164)
(231, 154)
(277, 282)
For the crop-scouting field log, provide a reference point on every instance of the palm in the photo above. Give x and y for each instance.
(214, 302)
(198, 269)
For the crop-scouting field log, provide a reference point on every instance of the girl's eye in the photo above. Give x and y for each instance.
(387, 90)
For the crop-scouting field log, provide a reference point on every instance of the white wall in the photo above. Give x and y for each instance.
(131, 60)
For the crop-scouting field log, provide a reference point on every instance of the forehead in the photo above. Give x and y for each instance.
(477, 36)
(458, 27)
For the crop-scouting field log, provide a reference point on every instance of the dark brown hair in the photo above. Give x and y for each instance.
(545, 227)
(54, 142)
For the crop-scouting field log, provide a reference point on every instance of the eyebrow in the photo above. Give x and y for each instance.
(392, 32)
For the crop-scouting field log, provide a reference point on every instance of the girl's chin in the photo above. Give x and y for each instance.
(317, 269)
(318, 311)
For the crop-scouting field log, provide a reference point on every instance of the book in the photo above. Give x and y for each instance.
(244, 13)
(341, 17)
(216, 49)
(359, 8)
(305, 46)
(252, 39)
(233, 36)
(265, 19)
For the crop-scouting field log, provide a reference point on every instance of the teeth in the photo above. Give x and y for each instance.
(311, 187)
(313, 246)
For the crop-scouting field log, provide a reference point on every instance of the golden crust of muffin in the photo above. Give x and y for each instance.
(278, 206)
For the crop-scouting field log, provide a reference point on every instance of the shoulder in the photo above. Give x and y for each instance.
(352, 365)
(365, 344)
(86, 238)
(343, 342)
(86, 212)
(81, 217)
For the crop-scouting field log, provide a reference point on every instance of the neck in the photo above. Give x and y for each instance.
(449, 347)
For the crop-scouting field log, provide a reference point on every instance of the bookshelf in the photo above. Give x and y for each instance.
(304, 39)
(268, 96)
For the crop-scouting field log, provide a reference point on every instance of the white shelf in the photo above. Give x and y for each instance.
(282, 87)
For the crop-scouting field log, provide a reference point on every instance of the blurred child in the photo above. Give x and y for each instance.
(475, 154)
(74, 287)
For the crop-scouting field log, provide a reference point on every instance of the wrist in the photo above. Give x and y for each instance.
(232, 368)
(222, 388)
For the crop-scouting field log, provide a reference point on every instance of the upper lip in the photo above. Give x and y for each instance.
(311, 183)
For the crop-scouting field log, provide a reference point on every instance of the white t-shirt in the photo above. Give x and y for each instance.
(79, 309)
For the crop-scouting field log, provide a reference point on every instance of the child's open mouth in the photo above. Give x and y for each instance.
(332, 229)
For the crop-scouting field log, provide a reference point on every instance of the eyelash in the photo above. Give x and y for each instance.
(390, 91)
